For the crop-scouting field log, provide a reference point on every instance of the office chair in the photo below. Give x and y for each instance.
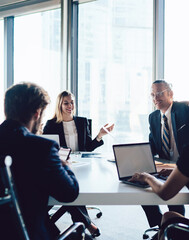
(171, 232)
(9, 206)
(99, 214)
(54, 217)
(147, 236)
(179, 229)
(9, 201)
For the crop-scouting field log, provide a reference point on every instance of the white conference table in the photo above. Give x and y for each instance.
(99, 185)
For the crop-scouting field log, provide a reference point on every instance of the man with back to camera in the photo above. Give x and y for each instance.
(169, 132)
(37, 170)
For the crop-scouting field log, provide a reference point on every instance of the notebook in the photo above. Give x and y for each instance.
(54, 137)
(132, 158)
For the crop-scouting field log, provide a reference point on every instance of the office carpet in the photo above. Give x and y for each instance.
(117, 222)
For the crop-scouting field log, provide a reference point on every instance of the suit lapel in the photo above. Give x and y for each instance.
(62, 135)
(158, 129)
(174, 125)
(78, 127)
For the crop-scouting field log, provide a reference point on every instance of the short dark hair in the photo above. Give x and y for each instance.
(23, 100)
(167, 85)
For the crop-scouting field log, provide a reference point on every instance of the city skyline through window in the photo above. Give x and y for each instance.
(115, 67)
(37, 52)
(177, 47)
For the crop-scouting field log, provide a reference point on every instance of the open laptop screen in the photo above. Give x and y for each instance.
(54, 137)
(132, 158)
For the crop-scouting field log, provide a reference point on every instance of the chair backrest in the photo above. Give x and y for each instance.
(9, 207)
(11, 221)
(176, 231)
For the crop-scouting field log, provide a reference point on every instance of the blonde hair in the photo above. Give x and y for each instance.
(59, 101)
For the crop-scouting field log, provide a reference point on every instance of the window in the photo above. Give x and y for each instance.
(2, 70)
(115, 67)
(37, 52)
(177, 47)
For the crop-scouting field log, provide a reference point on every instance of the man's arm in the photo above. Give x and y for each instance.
(152, 143)
(59, 180)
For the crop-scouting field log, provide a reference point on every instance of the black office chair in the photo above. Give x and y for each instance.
(55, 216)
(176, 231)
(9, 207)
(99, 214)
(9, 203)
(151, 236)
(172, 232)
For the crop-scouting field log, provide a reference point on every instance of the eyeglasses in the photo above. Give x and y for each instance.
(158, 94)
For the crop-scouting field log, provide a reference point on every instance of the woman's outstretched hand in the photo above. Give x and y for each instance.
(105, 130)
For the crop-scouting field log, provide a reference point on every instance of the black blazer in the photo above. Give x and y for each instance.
(38, 173)
(180, 125)
(84, 137)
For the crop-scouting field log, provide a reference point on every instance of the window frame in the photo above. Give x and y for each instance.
(69, 44)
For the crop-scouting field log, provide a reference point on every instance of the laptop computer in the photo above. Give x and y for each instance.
(54, 137)
(132, 158)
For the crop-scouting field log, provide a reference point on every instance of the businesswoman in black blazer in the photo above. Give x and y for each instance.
(74, 133)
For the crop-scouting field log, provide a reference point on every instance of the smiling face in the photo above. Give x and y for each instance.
(162, 96)
(68, 106)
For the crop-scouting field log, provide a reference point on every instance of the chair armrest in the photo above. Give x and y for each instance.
(179, 226)
(77, 226)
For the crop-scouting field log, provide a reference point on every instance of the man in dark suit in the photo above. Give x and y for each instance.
(37, 170)
(166, 146)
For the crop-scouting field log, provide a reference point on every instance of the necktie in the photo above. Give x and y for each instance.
(166, 138)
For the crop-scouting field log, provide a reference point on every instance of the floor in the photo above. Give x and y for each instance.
(117, 222)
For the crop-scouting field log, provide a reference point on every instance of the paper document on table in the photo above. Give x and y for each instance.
(77, 163)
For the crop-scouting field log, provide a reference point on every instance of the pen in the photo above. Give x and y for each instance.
(106, 130)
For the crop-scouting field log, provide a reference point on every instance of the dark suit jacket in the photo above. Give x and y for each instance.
(84, 137)
(180, 125)
(37, 173)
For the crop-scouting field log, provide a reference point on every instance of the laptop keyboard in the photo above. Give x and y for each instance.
(141, 183)
(137, 183)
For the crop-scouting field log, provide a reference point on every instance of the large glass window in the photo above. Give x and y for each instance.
(177, 47)
(115, 67)
(37, 52)
(1, 70)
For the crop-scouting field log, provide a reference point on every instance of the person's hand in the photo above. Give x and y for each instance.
(105, 129)
(65, 162)
(140, 177)
(165, 172)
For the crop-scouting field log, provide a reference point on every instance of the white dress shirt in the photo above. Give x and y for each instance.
(71, 136)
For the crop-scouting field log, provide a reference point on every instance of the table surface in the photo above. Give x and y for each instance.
(99, 185)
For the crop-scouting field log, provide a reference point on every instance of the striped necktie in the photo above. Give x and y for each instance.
(166, 138)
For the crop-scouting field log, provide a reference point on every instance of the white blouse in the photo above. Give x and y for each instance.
(71, 136)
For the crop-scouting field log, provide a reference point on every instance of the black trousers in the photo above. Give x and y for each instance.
(154, 214)
(78, 214)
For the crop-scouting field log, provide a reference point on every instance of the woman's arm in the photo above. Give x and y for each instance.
(175, 182)
(104, 130)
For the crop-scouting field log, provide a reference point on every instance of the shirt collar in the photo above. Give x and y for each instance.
(168, 112)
